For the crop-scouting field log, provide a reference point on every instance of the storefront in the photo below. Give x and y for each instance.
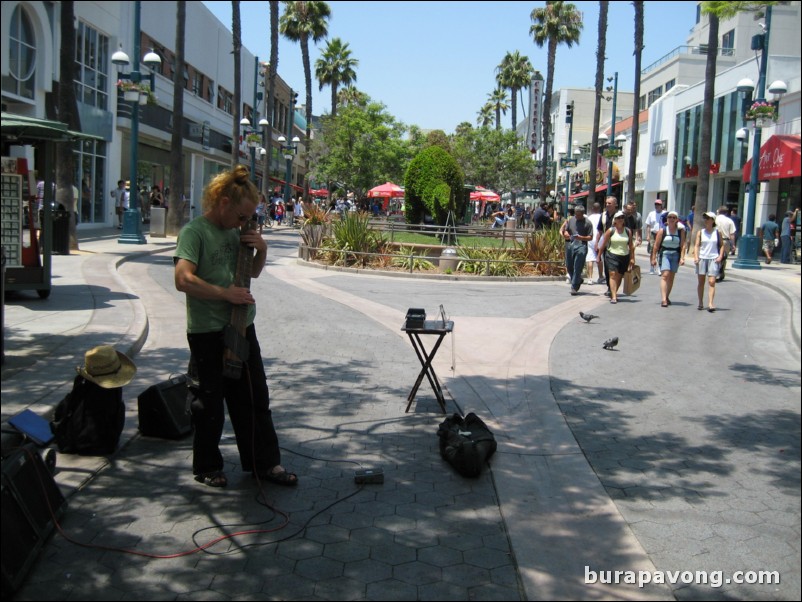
(780, 167)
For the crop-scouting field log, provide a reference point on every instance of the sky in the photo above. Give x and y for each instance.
(433, 64)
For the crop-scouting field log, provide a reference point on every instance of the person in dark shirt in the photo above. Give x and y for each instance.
(541, 218)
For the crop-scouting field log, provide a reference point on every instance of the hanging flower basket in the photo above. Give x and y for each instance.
(611, 153)
(253, 140)
(131, 95)
(763, 111)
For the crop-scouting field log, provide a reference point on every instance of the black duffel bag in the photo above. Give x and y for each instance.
(466, 443)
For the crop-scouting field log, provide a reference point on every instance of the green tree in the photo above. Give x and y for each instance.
(335, 67)
(492, 158)
(633, 147)
(359, 148)
(302, 22)
(556, 23)
(351, 96)
(271, 93)
(515, 73)
(498, 99)
(438, 138)
(433, 184)
(485, 116)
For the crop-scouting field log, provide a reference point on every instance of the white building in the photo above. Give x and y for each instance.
(30, 70)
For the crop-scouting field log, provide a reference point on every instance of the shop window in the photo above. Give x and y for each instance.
(21, 56)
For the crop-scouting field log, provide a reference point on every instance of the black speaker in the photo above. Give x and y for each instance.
(164, 409)
(32, 502)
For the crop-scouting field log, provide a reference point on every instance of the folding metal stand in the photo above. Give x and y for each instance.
(438, 328)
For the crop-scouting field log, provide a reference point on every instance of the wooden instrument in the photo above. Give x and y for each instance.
(236, 345)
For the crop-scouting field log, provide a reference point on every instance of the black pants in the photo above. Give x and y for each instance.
(248, 402)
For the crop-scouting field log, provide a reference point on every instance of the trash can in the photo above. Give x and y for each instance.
(61, 232)
(158, 222)
(448, 260)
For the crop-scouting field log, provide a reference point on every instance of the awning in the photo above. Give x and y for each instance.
(780, 157)
(283, 183)
(599, 188)
(26, 129)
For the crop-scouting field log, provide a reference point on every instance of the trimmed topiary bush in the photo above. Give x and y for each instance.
(433, 184)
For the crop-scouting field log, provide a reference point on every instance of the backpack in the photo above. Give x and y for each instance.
(466, 443)
(89, 420)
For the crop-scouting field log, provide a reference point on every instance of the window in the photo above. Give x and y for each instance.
(655, 94)
(91, 67)
(21, 56)
(197, 82)
(90, 166)
(670, 84)
(728, 43)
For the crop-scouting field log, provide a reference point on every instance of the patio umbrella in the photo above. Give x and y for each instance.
(386, 190)
(483, 194)
(319, 192)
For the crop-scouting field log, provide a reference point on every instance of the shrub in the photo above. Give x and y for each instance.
(492, 262)
(353, 233)
(433, 184)
(544, 245)
(405, 259)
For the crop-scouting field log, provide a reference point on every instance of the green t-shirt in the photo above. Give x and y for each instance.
(214, 251)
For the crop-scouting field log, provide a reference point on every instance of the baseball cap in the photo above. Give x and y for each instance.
(658, 202)
(710, 214)
(673, 213)
(618, 214)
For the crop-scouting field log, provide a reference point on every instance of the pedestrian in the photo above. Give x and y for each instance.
(654, 221)
(785, 236)
(618, 247)
(736, 219)
(709, 251)
(689, 221)
(606, 221)
(261, 212)
(593, 256)
(120, 196)
(668, 253)
(206, 260)
(768, 234)
(727, 227)
(633, 221)
(541, 218)
(279, 212)
(577, 232)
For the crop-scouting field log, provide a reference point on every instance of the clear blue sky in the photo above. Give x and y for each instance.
(433, 63)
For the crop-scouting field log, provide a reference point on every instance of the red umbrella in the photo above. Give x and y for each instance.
(483, 194)
(387, 190)
(319, 192)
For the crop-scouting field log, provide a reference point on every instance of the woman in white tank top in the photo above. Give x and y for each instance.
(708, 253)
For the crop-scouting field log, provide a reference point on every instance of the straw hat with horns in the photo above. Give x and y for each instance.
(107, 368)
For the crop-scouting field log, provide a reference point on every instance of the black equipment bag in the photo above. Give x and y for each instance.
(89, 420)
(466, 443)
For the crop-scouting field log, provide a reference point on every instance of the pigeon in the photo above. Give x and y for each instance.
(610, 343)
(587, 317)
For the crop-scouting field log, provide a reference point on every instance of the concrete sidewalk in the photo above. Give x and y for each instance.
(425, 534)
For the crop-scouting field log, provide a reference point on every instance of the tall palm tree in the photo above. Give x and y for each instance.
(271, 94)
(335, 67)
(515, 73)
(236, 39)
(557, 23)
(351, 96)
(633, 147)
(706, 131)
(601, 49)
(301, 22)
(67, 113)
(485, 115)
(175, 216)
(498, 98)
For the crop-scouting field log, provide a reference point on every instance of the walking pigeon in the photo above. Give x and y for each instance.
(610, 343)
(587, 317)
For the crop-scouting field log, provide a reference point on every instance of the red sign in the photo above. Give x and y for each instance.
(780, 157)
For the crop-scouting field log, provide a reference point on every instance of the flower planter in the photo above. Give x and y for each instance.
(763, 122)
(143, 99)
(131, 95)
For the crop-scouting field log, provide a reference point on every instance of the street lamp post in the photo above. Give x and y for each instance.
(289, 151)
(132, 220)
(612, 136)
(748, 243)
(254, 140)
(568, 161)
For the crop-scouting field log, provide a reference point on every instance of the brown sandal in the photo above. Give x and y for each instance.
(212, 479)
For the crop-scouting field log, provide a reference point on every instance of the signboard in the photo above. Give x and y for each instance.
(535, 110)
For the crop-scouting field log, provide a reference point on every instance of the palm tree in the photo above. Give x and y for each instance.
(557, 23)
(236, 38)
(601, 49)
(633, 147)
(706, 131)
(271, 93)
(175, 216)
(498, 98)
(67, 113)
(485, 115)
(301, 22)
(335, 67)
(514, 72)
(351, 96)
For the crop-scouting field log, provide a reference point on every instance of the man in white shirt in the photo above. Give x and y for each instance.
(725, 225)
(120, 196)
(654, 221)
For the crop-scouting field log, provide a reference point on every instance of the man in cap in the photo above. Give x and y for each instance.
(577, 232)
(654, 221)
(785, 236)
(727, 227)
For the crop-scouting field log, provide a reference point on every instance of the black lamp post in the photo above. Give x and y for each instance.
(132, 220)
(289, 151)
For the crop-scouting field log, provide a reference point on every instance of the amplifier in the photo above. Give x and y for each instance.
(164, 410)
(416, 317)
(31, 504)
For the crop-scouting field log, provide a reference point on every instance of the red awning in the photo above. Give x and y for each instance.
(599, 188)
(780, 157)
